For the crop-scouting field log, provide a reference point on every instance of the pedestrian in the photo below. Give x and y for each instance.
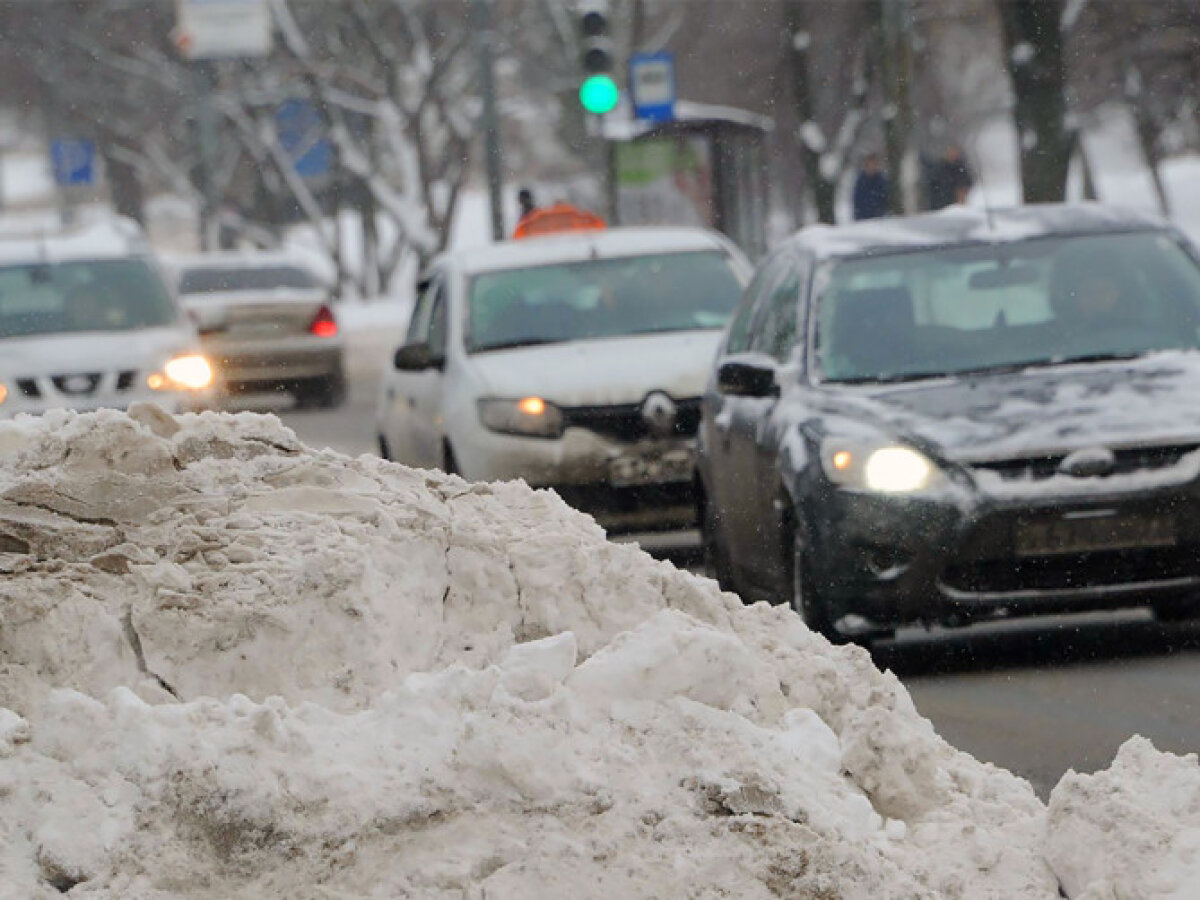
(950, 179)
(525, 202)
(871, 189)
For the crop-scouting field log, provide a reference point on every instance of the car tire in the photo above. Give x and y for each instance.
(449, 463)
(716, 557)
(326, 392)
(804, 599)
(384, 451)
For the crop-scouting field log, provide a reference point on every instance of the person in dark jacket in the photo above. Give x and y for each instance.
(871, 190)
(950, 179)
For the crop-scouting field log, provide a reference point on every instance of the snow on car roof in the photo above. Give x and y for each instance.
(112, 238)
(578, 245)
(958, 224)
(237, 666)
(237, 259)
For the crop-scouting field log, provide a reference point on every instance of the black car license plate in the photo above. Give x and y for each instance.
(1053, 537)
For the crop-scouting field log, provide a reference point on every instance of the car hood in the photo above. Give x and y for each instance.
(1150, 401)
(606, 372)
(95, 351)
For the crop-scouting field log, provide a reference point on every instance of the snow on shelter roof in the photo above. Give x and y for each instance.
(108, 238)
(958, 225)
(573, 246)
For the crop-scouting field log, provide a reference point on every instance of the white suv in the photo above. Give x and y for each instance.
(87, 321)
(574, 361)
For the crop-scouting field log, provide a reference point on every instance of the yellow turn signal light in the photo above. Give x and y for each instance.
(532, 406)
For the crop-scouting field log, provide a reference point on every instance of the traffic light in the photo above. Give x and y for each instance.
(599, 92)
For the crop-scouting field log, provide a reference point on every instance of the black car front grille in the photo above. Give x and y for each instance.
(1075, 571)
(1128, 460)
(625, 423)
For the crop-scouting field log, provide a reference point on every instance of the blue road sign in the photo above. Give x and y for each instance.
(302, 133)
(652, 86)
(74, 161)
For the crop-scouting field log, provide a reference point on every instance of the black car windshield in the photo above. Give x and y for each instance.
(601, 298)
(212, 279)
(984, 308)
(85, 295)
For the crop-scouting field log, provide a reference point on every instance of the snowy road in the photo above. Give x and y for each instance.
(1035, 697)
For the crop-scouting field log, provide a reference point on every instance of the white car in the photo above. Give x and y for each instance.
(573, 361)
(87, 321)
(267, 323)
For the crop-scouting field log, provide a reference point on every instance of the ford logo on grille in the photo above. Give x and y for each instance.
(660, 414)
(1090, 462)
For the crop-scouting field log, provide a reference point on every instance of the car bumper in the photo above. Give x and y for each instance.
(957, 559)
(174, 402)
(645, 485)
(253, 364)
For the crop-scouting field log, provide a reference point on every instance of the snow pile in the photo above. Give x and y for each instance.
(1131, 831)
(231, 666)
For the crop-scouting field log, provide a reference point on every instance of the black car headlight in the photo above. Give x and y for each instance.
(880, 467)
(528, 417)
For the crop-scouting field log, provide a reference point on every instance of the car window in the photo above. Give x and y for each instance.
(1016, 303)
(740, 334)
(774, 331)
(85, 295)
(602, 298)
(420, 322)
(212, 279)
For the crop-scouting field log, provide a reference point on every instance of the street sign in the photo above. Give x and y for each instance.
(652, 86)
(301, 132)
(74, 161)
(215, 29)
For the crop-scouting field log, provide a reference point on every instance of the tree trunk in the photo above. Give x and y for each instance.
(1033, 44)
(823, 192)
(126, 188)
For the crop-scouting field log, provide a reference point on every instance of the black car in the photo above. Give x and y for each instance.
(957, 416)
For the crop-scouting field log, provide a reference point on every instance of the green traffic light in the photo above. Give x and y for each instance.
(599, 94)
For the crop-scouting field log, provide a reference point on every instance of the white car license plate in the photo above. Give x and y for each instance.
(651, 468)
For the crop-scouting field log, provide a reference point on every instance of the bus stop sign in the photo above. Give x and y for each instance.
(652, 86)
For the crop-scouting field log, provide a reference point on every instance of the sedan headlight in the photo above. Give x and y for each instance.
(190, 373)
(529, 417)
(880, 467)
(3, 392)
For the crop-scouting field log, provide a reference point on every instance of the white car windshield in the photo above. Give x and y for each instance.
(601, 298)
(990, 307)
(82, 295)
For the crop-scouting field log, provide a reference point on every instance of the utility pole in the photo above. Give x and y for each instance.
(206, 144)
(481, 14)
(894, 18)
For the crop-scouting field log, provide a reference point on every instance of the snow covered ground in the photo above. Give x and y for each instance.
(231, 666)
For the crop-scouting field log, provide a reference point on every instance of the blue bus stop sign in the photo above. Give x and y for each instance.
(652, 86)
(302, 133)
(74, 161)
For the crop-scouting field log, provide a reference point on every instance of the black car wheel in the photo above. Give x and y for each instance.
(716, 557)
(325, 392)
(804, 598)
(384, 451)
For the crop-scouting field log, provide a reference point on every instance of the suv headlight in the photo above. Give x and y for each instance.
(529, 417)
(190, 372)
(881, 467)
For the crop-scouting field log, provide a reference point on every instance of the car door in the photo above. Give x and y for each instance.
(731, 423)
(414, 394)
(776, 336)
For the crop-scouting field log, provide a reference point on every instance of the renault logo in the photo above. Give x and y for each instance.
(660, 413)
(1090, 462)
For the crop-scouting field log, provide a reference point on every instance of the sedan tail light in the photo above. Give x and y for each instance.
(324, 324)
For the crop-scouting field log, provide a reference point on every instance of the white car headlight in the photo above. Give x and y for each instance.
(880, 467)
(190, 372)
(529, 417)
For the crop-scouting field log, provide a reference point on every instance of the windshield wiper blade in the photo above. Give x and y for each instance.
(889, 379)
(520, 342)
(1103, 357)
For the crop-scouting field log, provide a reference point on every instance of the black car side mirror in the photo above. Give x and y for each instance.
(741, 378)
(417, 358)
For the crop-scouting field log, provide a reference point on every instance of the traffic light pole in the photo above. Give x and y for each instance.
(483, 40)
